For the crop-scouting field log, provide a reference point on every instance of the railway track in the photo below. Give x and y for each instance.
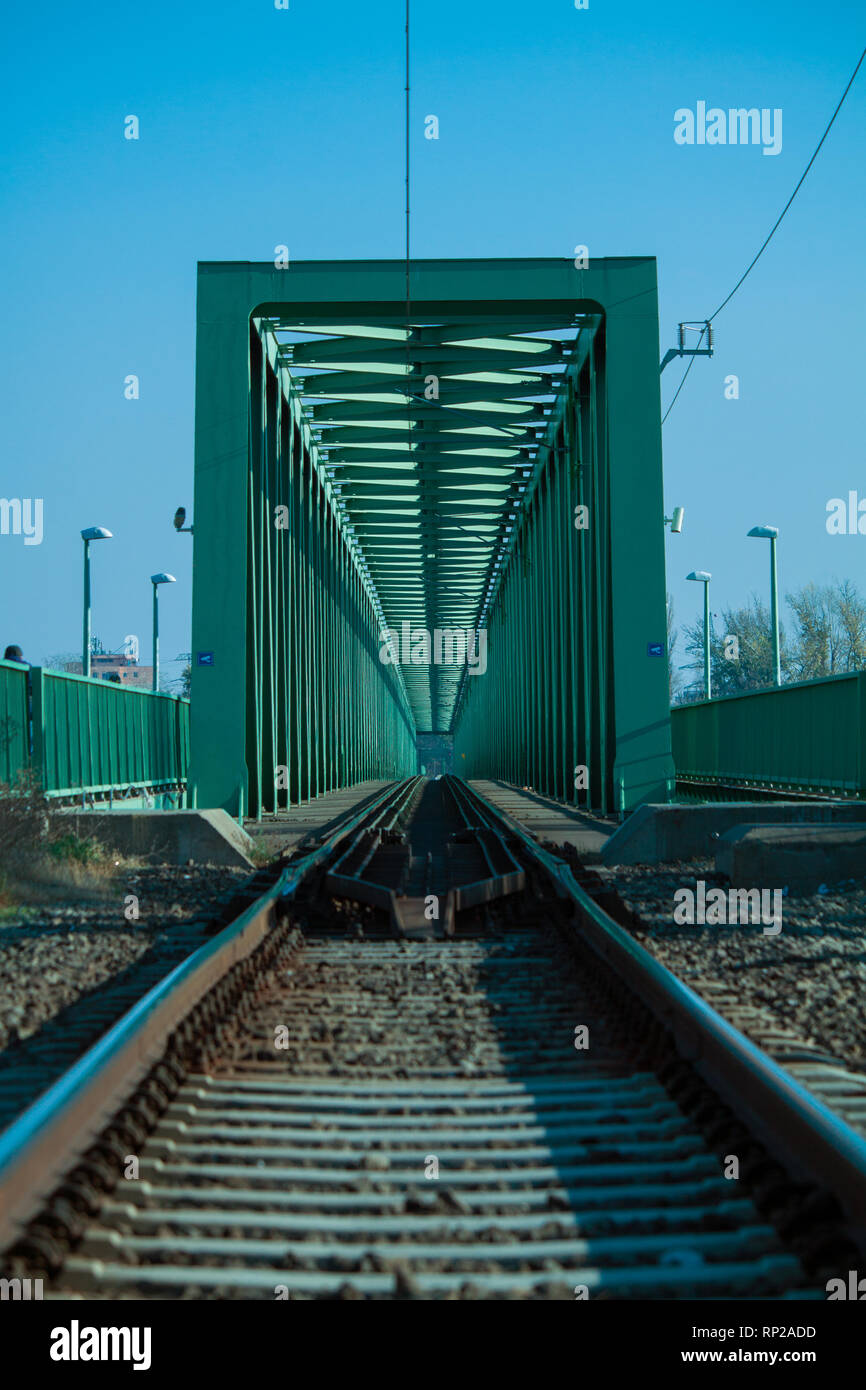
(364, 1098)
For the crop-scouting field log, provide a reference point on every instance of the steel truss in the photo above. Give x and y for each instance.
(426, 473)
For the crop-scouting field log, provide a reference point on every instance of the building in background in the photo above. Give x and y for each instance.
(121, 667)
(108, 665)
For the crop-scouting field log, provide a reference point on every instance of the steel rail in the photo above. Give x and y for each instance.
(506, 874)
(801, 1131)
(50, 1136)
(348, 877)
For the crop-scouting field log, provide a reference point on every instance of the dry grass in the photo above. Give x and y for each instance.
(41, 861)
(260, 854)
(47, 880)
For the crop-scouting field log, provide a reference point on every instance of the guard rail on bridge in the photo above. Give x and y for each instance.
(808, 737)
(83, 737)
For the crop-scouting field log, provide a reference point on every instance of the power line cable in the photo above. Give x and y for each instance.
(802, 179)
(774, 227)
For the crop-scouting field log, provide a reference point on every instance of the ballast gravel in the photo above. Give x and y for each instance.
(51, 955)
(810, 975)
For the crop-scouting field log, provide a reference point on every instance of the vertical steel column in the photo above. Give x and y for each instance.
(641, 742)
(560, 749)
(588, 759)
(295, 507)
(253, 580)
(598, 522)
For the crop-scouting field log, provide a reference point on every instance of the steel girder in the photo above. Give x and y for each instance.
(430, 468)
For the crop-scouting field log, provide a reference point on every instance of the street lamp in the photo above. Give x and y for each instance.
(156, 580)
(704, 577)
(90, 533)
(769, 533)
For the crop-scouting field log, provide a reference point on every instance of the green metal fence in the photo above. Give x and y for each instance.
(14, 736)
(90, 736)
(805, 737)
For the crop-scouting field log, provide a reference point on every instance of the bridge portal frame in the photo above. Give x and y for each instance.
(231, 295)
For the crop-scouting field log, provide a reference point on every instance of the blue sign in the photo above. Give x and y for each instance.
(204, 658)
(655, 648)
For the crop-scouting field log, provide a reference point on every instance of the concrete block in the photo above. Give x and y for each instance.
(168, 837)
(799, 857)
(659, 834)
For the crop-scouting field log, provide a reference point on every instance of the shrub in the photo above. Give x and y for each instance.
(25, 819)
(72, 847)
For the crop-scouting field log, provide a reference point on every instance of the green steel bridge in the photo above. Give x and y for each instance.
(483, 457)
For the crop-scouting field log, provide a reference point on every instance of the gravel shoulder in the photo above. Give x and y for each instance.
(804, 984)
(51, 955)
(69, 970)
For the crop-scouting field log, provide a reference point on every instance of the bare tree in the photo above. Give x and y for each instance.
(829, 637)
(830, 631)
(741, 651)
(64, 661)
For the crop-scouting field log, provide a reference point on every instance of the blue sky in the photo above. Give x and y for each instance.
(261, 126)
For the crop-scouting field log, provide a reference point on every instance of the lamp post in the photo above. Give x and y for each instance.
(90, 533)
(770, 533)
(704, 577)
(156, 580)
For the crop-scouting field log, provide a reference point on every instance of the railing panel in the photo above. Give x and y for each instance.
(808, 736)
(91, 735)
(14, 719)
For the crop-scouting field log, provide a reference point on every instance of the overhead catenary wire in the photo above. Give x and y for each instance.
(754, 261)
